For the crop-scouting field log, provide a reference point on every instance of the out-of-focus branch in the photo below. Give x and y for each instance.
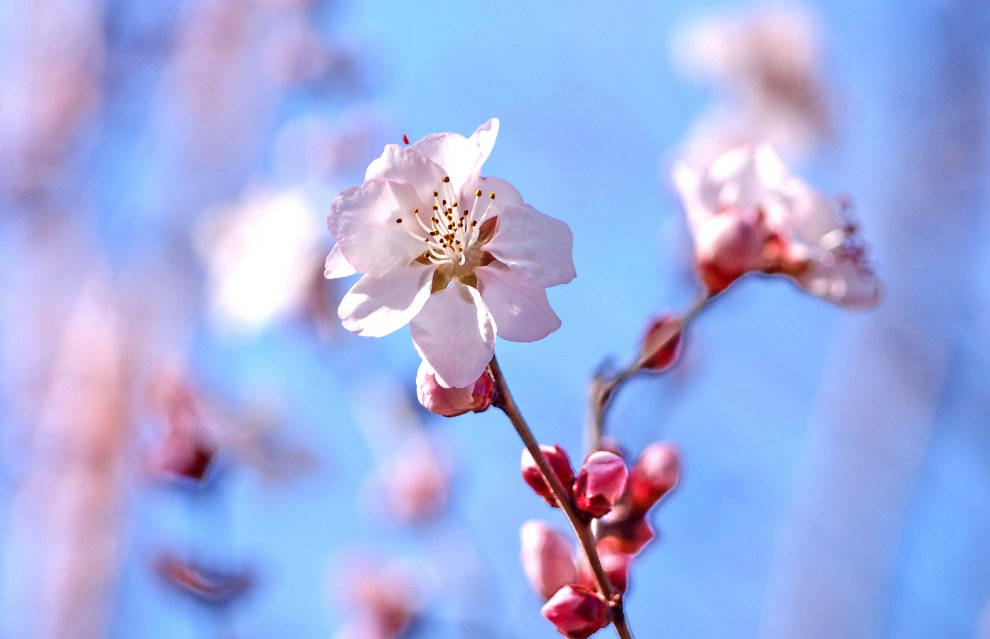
(603, 386)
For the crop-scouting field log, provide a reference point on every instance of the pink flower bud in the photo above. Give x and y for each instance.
(615, 563)
(576, 611)
(661, 342)
(546, 558)
(623, 533)
(560, 464)
(451, 402)
(600, 482)
(654, 475)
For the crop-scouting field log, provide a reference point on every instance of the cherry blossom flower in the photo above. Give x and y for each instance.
(457, 256)
(748, 213)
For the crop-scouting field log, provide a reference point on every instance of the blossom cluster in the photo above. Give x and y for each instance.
(461, 259)
(620, 500)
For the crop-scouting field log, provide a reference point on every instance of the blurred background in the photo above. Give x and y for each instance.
(193, 447)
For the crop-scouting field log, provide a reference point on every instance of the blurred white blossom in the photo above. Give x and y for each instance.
(261, 256)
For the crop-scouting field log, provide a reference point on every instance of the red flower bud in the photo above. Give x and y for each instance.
(654, 475)
(616, 565)
(600, 482)
(560, 464)
(623, 533)
(576, 611)
(661, 342)
(546, 558)
(451, 402)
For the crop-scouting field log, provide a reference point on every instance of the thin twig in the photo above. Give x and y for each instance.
(603, 387)
(564, 500)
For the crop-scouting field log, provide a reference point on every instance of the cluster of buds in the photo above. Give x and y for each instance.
(620, 500)
(596, 487)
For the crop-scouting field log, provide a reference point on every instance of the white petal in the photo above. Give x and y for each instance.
(409, 165)
(849, 283)
(460, 157)
(735, 176)
(688, 182)
(505, 193)
(362, 219)
(536, 246)
(521, 310)
(337, 265)
(455, 334)
(377, 306)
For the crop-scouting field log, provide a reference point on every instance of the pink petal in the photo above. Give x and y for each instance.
(460, 157)
(377, 306)
(409, 166)
(362, 219)
(521, 310)
(536, 246)
(455, 334)
(337, 265)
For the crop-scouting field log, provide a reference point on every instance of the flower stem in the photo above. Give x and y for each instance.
(603, 388)
(563, 496)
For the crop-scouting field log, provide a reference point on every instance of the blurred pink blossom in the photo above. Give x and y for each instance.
(381, 600)
(770, 62)
(416, 480)
(185, 446)
(748, 213)
(51, 84)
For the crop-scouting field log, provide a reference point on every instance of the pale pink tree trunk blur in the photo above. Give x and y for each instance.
(66, 519)
(886, 372)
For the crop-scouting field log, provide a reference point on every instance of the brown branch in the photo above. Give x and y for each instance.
(581, 528)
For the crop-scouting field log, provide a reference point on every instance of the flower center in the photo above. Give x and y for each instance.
(453, 235)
